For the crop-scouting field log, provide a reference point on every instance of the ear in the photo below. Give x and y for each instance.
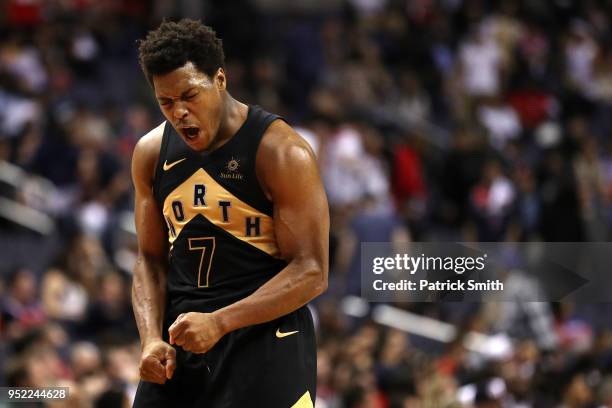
(220, 79)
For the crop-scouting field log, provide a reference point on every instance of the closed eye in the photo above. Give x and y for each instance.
(167, 101)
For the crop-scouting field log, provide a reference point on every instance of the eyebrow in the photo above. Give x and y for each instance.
(160, 97)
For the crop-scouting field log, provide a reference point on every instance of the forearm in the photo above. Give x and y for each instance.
(149, 298)
(290, 289)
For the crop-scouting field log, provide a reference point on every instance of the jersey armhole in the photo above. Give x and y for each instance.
(158, 167)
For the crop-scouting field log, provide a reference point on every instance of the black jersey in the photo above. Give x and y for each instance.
(219, 221)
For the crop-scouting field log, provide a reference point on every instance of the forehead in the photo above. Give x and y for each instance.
(178, 81)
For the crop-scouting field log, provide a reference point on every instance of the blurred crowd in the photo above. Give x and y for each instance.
(458, 120)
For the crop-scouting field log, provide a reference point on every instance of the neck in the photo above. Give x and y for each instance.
(234, 115)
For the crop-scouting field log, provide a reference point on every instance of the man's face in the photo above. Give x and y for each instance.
(192, 102)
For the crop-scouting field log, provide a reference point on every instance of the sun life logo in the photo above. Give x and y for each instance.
(233, 164)
(232, 168)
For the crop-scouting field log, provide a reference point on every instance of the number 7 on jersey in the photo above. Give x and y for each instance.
(207, 246)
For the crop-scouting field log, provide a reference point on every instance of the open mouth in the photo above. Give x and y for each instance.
(190, 133)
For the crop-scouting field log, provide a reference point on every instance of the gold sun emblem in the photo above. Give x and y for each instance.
(233, 164)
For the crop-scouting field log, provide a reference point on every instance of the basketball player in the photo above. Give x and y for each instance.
(232, 225)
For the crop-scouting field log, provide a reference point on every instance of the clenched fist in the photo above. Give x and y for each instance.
(157, 362)
(195, 332)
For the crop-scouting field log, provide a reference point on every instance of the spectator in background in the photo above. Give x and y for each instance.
(492, 203)
(411, 106)
(557, 186)
(353, 167)
(341, 169)
(607, 174)
(409, 186)
(73, 281)
(580, 53)
(528, 206)
(137, 121)
(591, 189)
(481, 64)
(20, 308)
(501, 122)
(462, 170)
(577, 393)
(109, 315)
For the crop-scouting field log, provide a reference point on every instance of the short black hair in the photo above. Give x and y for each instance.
(173, 44)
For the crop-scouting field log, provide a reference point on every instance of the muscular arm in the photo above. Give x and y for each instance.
(149, 281)
(288, 172)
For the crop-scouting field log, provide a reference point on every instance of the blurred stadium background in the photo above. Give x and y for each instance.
(463, 120)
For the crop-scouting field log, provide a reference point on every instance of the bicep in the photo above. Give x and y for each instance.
(150, 228)
(301, 215)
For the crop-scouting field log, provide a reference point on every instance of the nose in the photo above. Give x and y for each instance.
(180, 111)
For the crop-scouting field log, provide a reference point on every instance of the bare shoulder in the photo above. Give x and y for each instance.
(146, 154)
(282, 145)
(149, 144)
(283, 153)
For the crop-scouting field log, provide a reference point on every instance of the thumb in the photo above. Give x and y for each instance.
(170, 362)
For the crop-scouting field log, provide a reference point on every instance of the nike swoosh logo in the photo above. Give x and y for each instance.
(280, 335)
(171, 165)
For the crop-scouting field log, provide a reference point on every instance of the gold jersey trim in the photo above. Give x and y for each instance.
(238, 213)
(305, 401)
